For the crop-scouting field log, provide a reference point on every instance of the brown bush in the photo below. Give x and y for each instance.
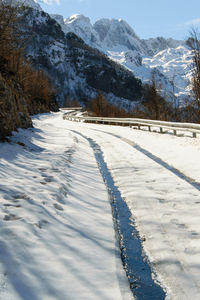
(100, 107)
(37, 88)
(71, 103)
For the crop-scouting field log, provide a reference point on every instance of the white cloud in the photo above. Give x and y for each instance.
(194, 22)
(189, 24)
(49, 2)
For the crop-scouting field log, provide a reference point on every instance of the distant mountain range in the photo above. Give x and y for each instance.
(169, 59)
(80, 71)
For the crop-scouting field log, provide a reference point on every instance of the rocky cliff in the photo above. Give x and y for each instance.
(119, 41)
(78, 71)
(13, 107)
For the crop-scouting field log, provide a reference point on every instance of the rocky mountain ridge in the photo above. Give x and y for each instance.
(117, 40)
(108, 34)
(78, 70)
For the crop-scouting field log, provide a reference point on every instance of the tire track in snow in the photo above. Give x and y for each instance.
(156, 159)
(178, 262)
(136, 265)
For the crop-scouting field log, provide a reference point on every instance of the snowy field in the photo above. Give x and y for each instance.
(56, 230)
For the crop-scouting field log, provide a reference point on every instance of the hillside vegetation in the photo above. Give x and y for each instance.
(23, 90)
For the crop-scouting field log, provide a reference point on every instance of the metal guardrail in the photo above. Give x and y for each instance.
(71, 108)
(132, 122)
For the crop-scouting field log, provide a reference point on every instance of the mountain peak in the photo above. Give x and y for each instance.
(115, 32)
(81, 26)
(78, 18)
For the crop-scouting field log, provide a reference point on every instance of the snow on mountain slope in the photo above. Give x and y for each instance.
(117, 34)
(134, 62)
(171, 67)
(123, 45)
(31, 3)
(81, 26)
(119, 41)
(155, 45)
(77, 70)
(175, 64)
(168, 59)
(113, 34)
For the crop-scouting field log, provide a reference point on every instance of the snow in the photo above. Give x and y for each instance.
(57, 236)
(117, 33)
(158, 177)
(170, 59)
(56, 228)
(31, 3)
(175, 64)
(81, 26)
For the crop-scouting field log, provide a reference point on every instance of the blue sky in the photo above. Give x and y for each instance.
(149, 18)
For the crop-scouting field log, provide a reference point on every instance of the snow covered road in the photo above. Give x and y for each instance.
(158, 177)
(57, 239)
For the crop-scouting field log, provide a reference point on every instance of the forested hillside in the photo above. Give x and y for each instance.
(23, 89)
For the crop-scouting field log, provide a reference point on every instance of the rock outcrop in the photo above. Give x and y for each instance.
(13, 107)
(78, 71)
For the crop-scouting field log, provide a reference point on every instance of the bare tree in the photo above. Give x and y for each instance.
(174, 100)
(36, 85)
(8, 22)
(194, 43)
(156, 107)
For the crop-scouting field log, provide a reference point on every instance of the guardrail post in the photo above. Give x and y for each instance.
(139, 123)
(194, 134)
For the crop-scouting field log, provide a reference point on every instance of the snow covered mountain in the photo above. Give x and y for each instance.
(169, 59)
(82, 27)
(117, 33)
(175, 64)
(77, 70)
(30, 3)
(113, 34)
